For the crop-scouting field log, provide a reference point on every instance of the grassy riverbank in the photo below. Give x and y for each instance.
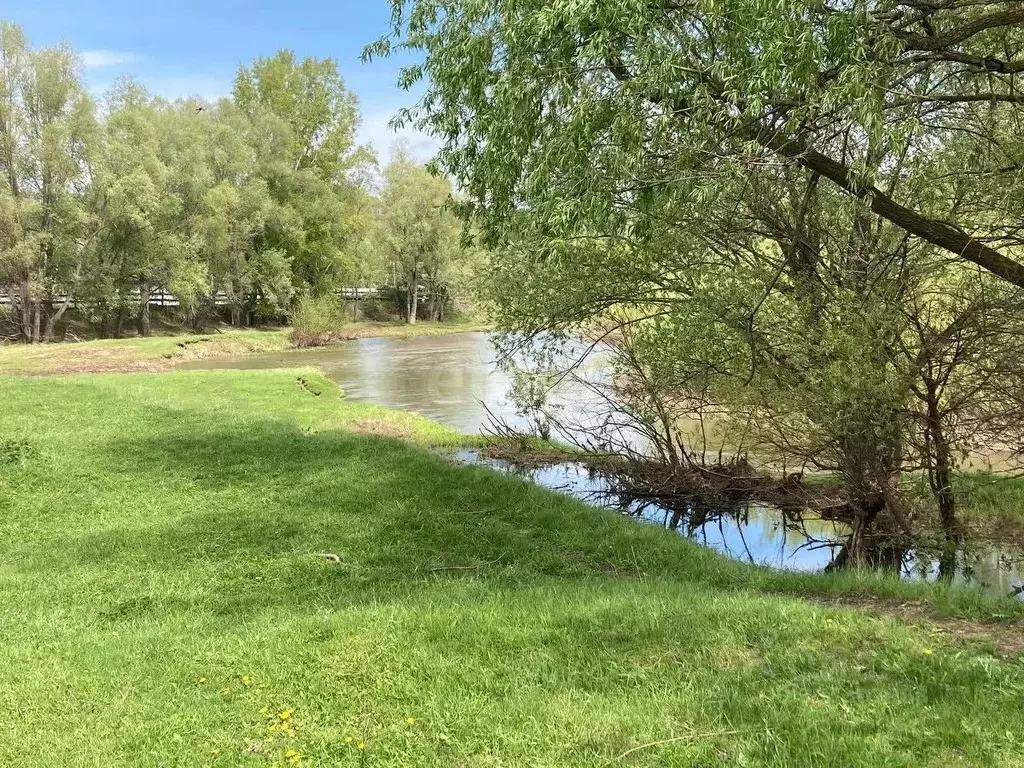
(167, 601)
(992, 496)
(157, 353)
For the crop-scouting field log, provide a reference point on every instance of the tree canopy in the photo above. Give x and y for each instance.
(616, 100)
(803, 219)
(257, 200)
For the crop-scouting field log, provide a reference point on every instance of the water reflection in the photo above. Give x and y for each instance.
(757, 534)
(760, 534)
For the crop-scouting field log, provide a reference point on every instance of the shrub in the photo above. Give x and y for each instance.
(317, 320)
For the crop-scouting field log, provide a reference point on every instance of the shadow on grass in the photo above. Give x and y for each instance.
(256, 510)
(264, 513)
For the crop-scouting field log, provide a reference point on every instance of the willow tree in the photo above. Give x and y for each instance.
(769, 195)
(150, 173)
(533, 97)
(251, 276)
(416, 233)
(241, 223)
(308, 119)
(47, 137)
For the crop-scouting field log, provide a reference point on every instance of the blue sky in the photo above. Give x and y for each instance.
(193, 47)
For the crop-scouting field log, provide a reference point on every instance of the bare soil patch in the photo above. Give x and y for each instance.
(106, 360)
(381, 428)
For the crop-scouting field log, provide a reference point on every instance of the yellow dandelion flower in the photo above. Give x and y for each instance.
(927, 651)
(291, 753)
(246, 680)
(285, 714)
(348, 739)
(410, 721)
(361, 745)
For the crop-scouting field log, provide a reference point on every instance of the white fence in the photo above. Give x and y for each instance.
(166, 299)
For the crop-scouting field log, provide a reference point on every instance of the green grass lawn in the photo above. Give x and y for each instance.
(165, 604)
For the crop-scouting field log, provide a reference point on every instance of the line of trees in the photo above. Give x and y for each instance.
(263, 198)
(804, 218)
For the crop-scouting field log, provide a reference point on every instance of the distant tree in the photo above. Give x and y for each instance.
(416, 233)
(48, 133)
(311, 164)
(250, 275)
(150, 181)
(312, 99)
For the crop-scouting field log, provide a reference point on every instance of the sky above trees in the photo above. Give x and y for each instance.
(180, 48)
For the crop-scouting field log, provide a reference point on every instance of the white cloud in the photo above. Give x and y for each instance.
(375, 132)
(100, 59)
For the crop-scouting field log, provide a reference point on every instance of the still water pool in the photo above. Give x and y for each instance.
(759, 534)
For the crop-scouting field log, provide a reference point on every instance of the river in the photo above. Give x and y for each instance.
(455, 379)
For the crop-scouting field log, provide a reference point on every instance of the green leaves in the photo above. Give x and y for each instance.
(757, 190)
(263, 197)
(312, 99)
(537, 100)
(417, 234)
(47, 142)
